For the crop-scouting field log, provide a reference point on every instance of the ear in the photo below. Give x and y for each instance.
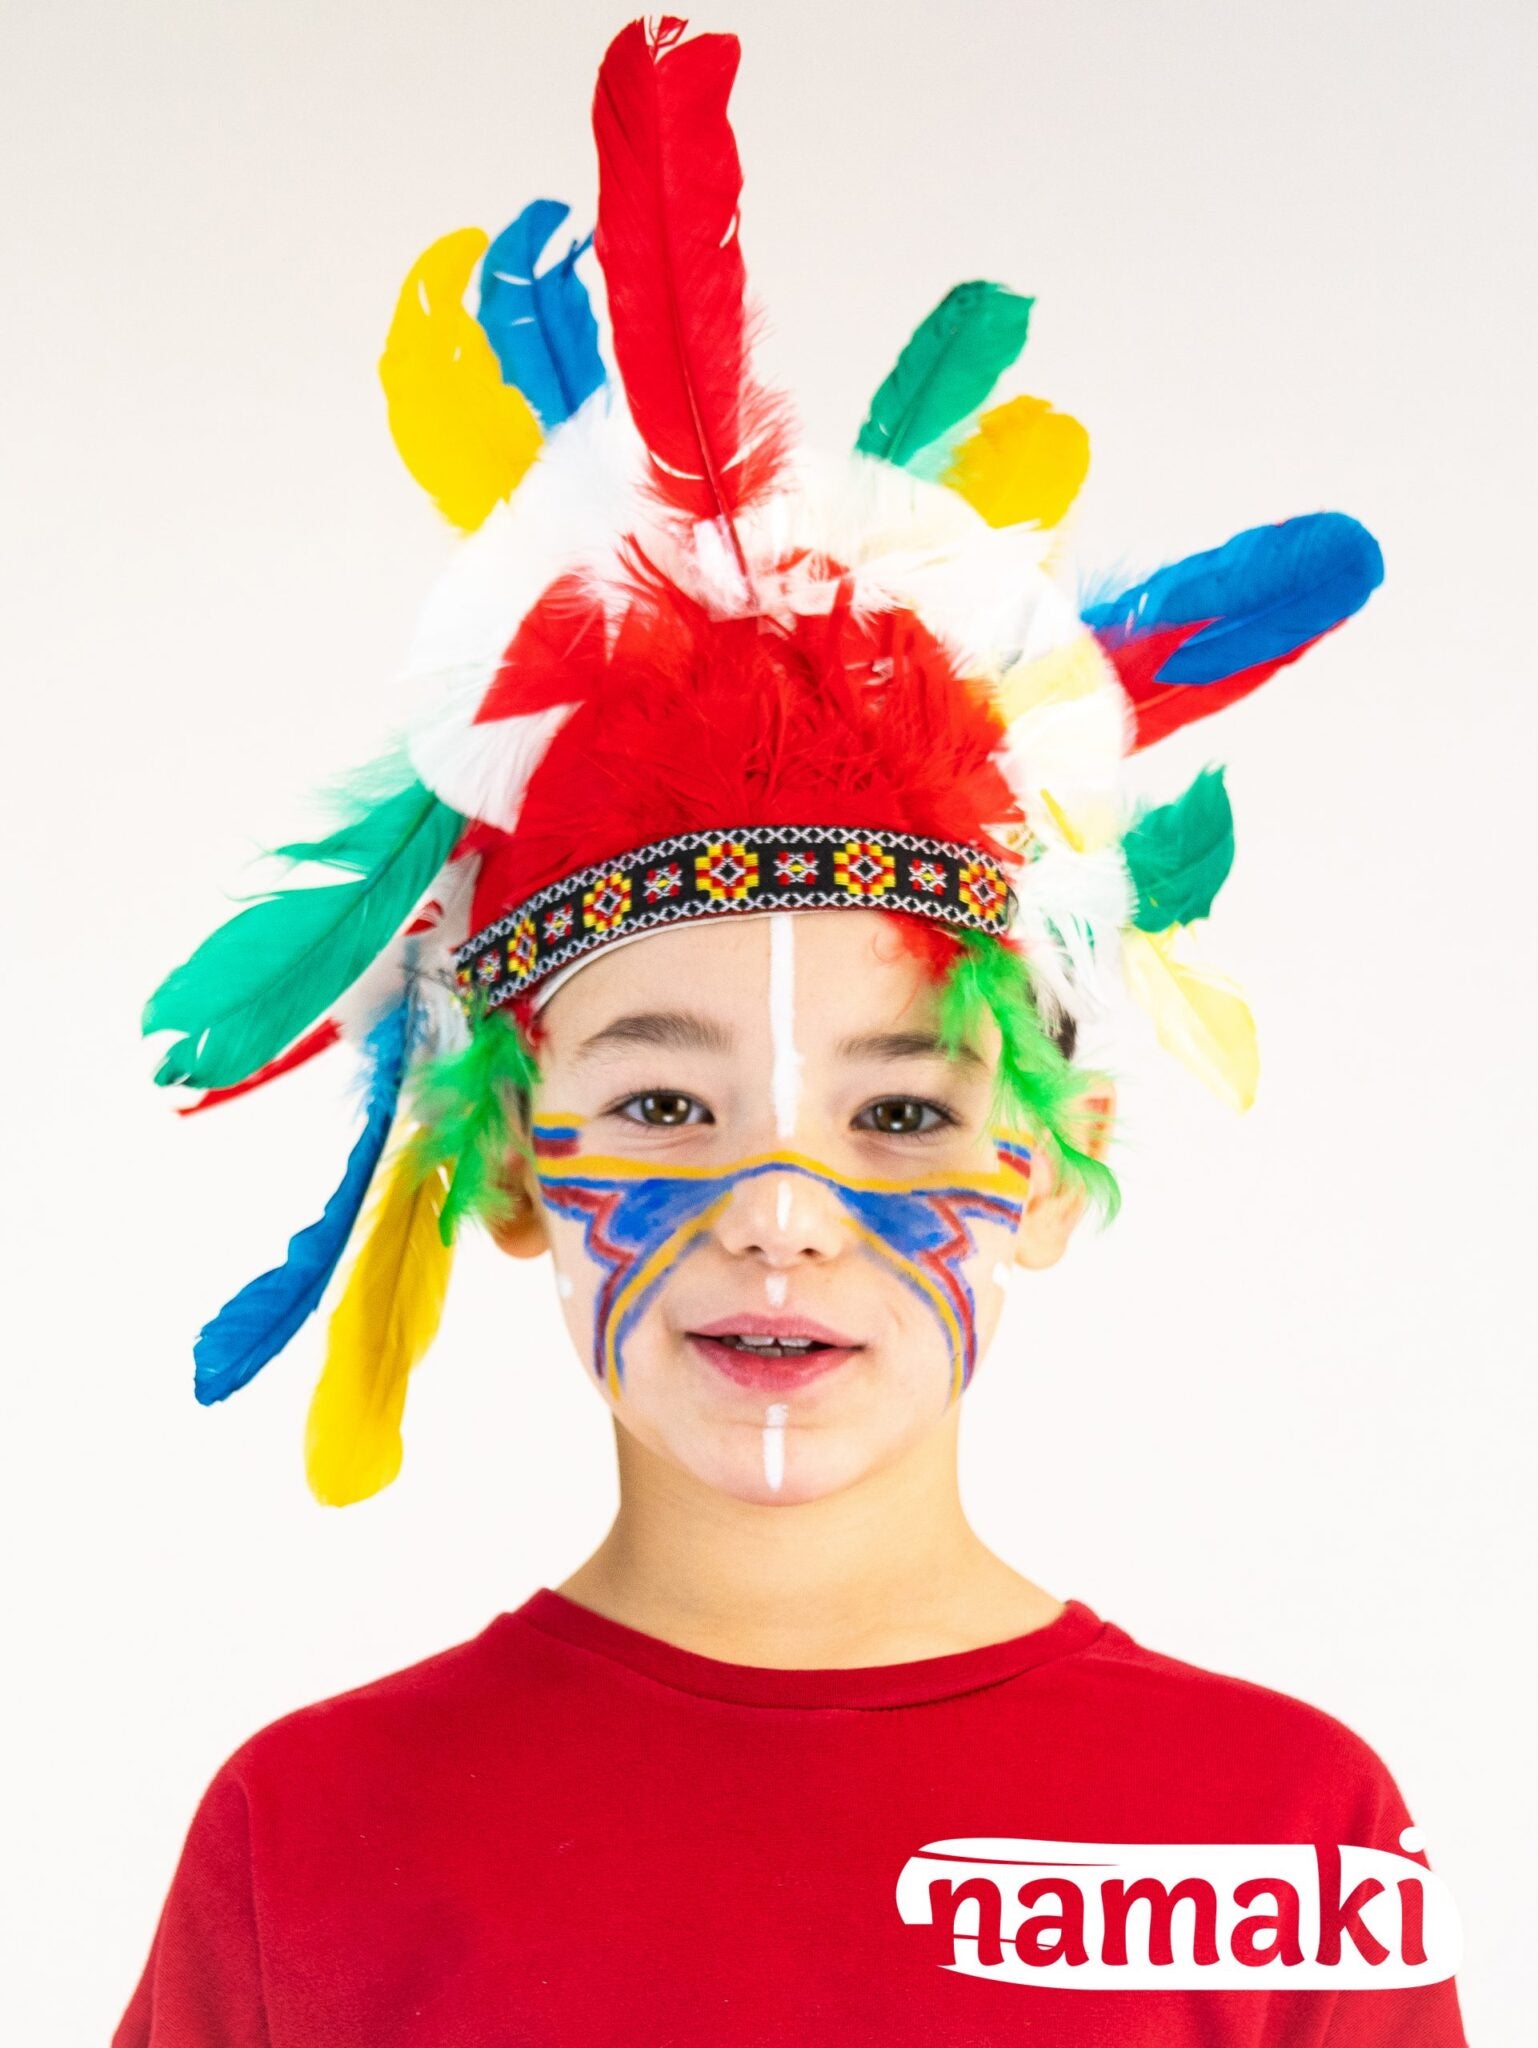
(521, 1233)
(1052, 1209)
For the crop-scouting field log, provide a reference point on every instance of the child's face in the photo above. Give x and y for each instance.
(781, 1219)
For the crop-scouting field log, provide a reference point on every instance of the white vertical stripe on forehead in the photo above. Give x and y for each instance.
(785, 1076)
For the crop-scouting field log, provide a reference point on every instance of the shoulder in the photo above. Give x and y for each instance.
(1248, 1744)
(415, 1710)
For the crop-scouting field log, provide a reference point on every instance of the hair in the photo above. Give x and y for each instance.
(471, 1105)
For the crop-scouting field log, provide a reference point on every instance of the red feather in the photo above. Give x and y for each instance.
(669, 188)
(552, 656)
(1162, 708)
(697, 722)
(326, 1032)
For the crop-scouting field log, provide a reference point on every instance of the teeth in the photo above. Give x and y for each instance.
(773, 1347)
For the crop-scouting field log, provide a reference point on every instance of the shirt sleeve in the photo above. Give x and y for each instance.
(202, 1984)
(1410, 2016)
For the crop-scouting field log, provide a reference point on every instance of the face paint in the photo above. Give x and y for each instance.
(775, 1416)
(638, 1224)
(1015, 1154)
(785, 1071)
(776, 1287)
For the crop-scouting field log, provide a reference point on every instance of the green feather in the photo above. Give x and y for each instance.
(271, 970)
(944, 374)
(1036, 1085)
(1179, 855)
(471, 1106)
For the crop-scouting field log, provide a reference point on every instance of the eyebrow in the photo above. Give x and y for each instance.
(675, 1030)
(905, 1045)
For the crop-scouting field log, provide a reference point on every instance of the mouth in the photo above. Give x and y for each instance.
(772, 1351)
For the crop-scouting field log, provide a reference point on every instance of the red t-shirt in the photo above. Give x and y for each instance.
(567, 1832)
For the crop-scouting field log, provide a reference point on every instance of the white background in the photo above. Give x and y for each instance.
(1277, 1420)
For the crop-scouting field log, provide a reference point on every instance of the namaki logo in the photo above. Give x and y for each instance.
(1100, 1916)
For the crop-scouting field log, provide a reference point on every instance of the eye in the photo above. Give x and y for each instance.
(903, 1116)
(664, 1109)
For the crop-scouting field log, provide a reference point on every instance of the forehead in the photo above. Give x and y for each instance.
(840, 971)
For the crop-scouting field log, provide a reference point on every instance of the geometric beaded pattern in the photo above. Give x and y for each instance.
(712, 874)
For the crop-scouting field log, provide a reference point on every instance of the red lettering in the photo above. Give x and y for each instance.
(1338, 1915)
(1412, 1920)
(1282, 1925)
(945, 1897)
(1117, 1897)
(1067, 1923)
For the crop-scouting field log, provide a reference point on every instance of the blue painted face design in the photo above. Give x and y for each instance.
(639, 1223)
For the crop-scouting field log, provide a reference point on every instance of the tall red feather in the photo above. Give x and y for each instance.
(669, 187)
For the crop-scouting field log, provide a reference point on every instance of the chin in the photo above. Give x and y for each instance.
(773, 1468)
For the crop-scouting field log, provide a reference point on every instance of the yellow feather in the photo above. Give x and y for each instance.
(1199, 1016)
(465, 436)
(386, 1319)
(1076, 669)
(1024, 464)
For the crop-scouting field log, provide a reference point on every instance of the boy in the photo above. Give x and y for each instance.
(725, 927)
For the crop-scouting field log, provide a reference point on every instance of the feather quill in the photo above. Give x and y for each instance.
(1202, 633)
(255, 1324)
(1024, 464)
(540, 322)
(275, 967)
(951, 363)
(383, 1325)
(464, 435)
(669, 188)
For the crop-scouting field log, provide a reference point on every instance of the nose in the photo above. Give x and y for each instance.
(785, 1219)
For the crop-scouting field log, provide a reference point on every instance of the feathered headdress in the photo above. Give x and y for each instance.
(681, 667)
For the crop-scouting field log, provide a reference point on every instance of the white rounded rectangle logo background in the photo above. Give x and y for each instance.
(1407, 1910)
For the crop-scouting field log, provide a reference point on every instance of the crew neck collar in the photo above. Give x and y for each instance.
(867, 1685)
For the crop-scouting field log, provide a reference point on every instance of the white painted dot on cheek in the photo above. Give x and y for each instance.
(776, 1287)
(1003, 1275)
(565, 1287)
(775, 1416)
(785, 1071)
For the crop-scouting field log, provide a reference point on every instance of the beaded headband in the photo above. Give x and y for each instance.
(709, 874)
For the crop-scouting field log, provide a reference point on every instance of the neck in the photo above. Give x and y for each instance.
(886, 1571)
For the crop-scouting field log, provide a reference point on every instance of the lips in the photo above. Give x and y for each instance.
(772, 1351)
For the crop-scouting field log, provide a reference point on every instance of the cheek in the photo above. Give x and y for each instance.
(577, 1282)
(946, 1247)
(991, 1275)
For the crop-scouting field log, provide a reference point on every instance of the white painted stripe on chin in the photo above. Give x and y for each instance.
(775, 1416)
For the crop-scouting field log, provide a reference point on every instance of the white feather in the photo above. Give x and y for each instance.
(1071, 906)
(579, 497)
(426, 958)
(1072, 749)
(902, 542)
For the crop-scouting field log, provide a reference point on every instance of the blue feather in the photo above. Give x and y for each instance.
(541, 326)
(1268, 592)
(254, 1325)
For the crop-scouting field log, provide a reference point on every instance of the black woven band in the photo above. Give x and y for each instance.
(712, 874)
